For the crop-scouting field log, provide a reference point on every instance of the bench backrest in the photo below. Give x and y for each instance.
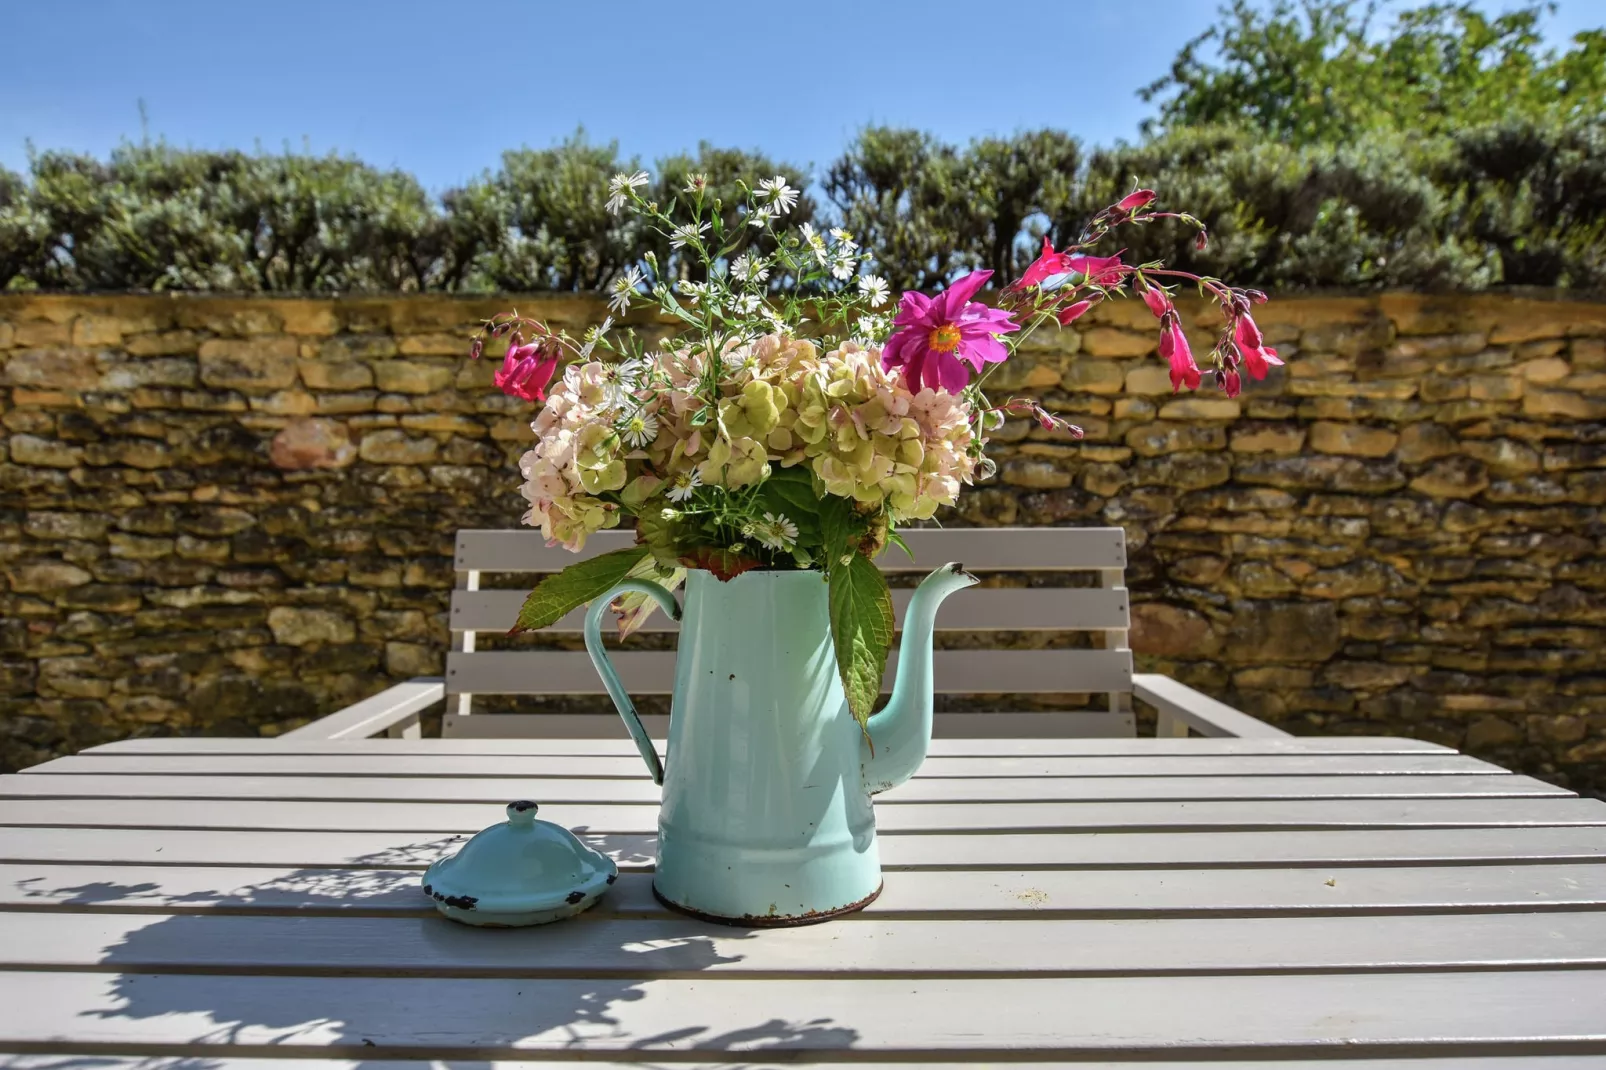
(981, 612)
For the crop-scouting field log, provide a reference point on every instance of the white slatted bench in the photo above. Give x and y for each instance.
(982, 612)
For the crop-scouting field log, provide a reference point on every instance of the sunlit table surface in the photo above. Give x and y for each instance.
(1342, 902)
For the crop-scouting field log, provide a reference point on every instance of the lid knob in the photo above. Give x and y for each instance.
(521, 814)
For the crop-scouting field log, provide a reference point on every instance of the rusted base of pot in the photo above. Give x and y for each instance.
(770, 921)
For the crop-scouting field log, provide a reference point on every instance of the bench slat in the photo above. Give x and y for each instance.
(969, 672)
(975, 609)
(978, 549)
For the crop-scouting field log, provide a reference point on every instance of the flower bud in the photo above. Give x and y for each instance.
(1140, 198)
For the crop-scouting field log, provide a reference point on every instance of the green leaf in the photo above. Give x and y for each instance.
(897, 540)
(861, 630)
(634, 608)
(836, 530)
(574, 587)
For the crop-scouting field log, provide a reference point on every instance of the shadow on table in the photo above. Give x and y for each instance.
(393, 982)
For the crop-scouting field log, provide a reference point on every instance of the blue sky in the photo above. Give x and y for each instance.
(440, 89)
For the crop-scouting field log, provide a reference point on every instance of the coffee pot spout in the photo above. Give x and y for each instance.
(899, 736)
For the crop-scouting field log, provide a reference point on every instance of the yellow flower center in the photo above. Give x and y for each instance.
(945, 339)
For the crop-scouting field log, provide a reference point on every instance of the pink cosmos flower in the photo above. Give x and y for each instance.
(936, 333)
(1174, 348)
(526, 370)
(1257, 355)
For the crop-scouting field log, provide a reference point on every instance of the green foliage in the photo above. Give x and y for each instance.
(562, 592)
(1321, 72)
(861, 631)
(558, 234)
(726, 172)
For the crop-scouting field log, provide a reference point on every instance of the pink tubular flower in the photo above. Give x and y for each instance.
(1073, 312)
(1257, 355)
(1139, 198)
(1157, 301)
(1231, 385)
(1046, 266)
(526, 371)
(1174, 348)
(936, 333)
(1100, 270)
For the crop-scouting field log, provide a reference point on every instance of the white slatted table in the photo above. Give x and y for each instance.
(1337, 903)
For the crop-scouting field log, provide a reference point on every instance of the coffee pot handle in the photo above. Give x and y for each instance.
(610, 679)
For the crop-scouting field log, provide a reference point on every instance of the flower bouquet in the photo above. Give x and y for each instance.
(795, 417)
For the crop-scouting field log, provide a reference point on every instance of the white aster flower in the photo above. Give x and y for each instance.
(594, 335)
(774, 531)
(815, 243)
(615, 388)
(639, 429)
(637, 370)
(844, 240)
(686, 232)
(747, 304)
(696, 182)
(781, 196)
(873, 287)
(681, 487)
(761, 216)
(748, 269)
(621, 186)
(694, 291)
(843, 268)
(622, 289)
(872, 327)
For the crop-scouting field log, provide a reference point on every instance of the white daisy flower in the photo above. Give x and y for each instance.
(844, 240)
(639, 429)
(637, 370)
(694, 291)
(749, 270)
(696, 182)
(594, 335)
(760, 216)
(748, 304)
(873, 287)
(622, 289)
(774, 531)
(843, 268)
(872, 327)
(615, 388)
(686, 232)
(681, 487)
(781, 196)
(620, 187)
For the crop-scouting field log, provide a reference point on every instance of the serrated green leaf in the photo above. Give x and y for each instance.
(897, 540)
(861, 631)
(836, 530)
(574, 587)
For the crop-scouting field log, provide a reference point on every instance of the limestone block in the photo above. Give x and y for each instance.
(396, 447)
(409, 377)
(1356, 440)
(1110, 342)
(1171, 631)
(1421, 442)
(58, 369)
(40, 577)
(1200, 408)
(265, 363)
(300, 626)
(312, 443)
(1548, 370)
(45, 452)
(336, 375)
(1025, 472)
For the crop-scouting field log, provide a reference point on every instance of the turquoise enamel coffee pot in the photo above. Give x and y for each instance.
(766, 815)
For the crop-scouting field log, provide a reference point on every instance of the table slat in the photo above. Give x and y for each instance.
(195, 745)
(1063, 1016)
(631, 766)
(652, 947)
(102, 1061)
(1046, 850)
(949, 789)
(139, 815)
(915, 893)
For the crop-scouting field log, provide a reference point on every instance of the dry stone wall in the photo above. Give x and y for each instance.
(232, 515)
